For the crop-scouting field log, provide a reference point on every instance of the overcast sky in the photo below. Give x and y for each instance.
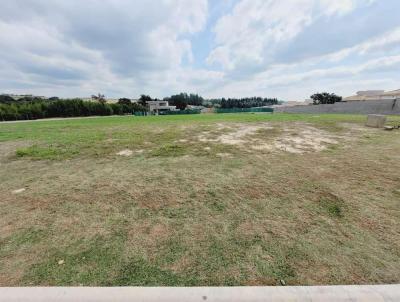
(287, 49)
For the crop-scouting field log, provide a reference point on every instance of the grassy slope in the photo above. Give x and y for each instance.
(174, 214)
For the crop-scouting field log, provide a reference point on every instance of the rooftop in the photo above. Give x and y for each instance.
(373, 95)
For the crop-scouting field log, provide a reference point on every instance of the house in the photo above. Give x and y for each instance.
(374, 95)
(394, 94)
(157, 106)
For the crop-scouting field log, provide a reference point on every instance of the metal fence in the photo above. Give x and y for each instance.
(237, 110)
(140, 113)
(186, 111)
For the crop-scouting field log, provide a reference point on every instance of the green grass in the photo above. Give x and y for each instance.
(63, 139)
(96, 128)
(169, 150)
(185, 211)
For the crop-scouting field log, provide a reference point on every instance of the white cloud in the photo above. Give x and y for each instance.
(299, 81)
(257, 29)
(383, 43)
(342, 6)
(101, 42)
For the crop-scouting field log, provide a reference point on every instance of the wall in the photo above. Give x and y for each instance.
(361, 107)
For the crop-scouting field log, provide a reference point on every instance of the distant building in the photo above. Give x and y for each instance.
(394, 94)
(155, 107)
(293, 103)
(194, 107)
(20, 96)
(374, 95)
(108, 100)
(370, 92)
(112, 101)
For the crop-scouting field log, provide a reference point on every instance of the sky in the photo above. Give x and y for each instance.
(288, 49)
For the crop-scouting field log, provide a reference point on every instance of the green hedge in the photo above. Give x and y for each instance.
(62, 108)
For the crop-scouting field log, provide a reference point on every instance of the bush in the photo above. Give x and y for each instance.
(325, 98)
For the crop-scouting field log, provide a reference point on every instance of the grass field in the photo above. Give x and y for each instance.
(219, 199)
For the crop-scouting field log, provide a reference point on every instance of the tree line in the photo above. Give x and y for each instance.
(182, 100)
(243, 102)
(29, 109)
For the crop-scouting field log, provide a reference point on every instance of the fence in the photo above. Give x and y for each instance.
(237, 110)
(186, 111)
(140, 113)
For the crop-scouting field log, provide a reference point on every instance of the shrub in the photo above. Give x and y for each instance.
(325, 98)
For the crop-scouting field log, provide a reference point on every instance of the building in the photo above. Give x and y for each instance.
(20, 96)
(155, 107)
(292, 104)
(393, 95)
(108, 100)
(374, 95)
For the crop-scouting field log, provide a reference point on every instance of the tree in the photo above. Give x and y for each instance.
(6, 99)
(144, 99)
(99, 98)
(124, 101)
(138, 107)
(195, 100)
(29, 99)
(325, 98)
(178, 100)
(123, 106)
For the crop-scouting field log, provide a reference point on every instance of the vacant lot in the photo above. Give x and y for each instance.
(240, 199)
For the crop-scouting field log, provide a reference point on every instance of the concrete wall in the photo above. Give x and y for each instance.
(361, 107)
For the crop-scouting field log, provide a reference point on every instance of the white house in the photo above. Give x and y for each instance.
(158, 106)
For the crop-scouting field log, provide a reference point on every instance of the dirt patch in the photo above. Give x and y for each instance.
(8, 149)
(237, 134)
(126, 152)
(302, 140)
(223, 155)
(293, 138)
(357, 127)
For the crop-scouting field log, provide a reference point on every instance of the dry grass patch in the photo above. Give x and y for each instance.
(293, 138)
